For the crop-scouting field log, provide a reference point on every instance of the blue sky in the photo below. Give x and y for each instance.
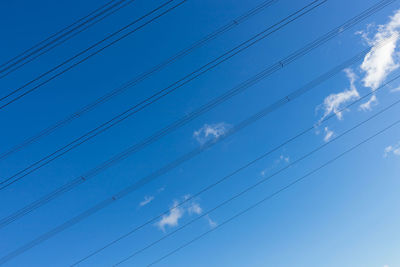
(343, 215)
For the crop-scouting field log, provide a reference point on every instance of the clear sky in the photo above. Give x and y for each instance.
(346, 214)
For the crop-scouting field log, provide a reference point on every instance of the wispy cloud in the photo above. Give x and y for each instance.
(146, 200)
(171, 219)
(368, 105)
(194, 208)
(210, 131)
(282, 159)
(211, 222)
(334, 102)
(394, 90)
(177, 212)
(328, 134)
(392, 150)
(382, 59)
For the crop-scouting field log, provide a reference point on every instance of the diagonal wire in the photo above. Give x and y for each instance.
(276, 192)
(58, 40)
(111, 200)
(209, 187)
(70, 185)
(90, 55)
(159, 95)
(133, 82)
(57, 33)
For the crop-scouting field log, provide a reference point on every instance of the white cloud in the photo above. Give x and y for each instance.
(334, 102)
(368, 105)
(211, 222)
(397, 89)
(392, 149)
(284, 158)
(177, 212)
(328, 134)
(194, 208)
(171, 219)
(210, 131)
(147, 200)
(382, 59)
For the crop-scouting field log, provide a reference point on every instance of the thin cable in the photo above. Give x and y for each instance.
(225, 178)
(189, 117)
(126, 191)
(68, 35)
(92, 173)
(155, 97)
(138, 78)
(277, 192)
(114, 198)
(90, 55)
(57, 33)
(260, 182)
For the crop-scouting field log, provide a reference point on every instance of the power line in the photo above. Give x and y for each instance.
(156, 136)
(253, 186)
(128, 190)
(159, 95)
(139, 78)
(225, 178)
(81, 179)
(117, 196)
(90, 55)
(276, 193)
(29, 55)
(55, 34)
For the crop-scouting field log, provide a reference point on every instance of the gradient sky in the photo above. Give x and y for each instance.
(346, 214)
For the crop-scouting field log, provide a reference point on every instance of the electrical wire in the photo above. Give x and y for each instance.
(90, 55)
(92, 173)
(275, 193)
(108, 201)
(189, 117)
(225, 178)
(55, 34)
(58, 40)
(129, 189)
(133, 82)
(157, 96)
(260, 182)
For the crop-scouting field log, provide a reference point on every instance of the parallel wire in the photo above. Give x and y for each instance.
(260, 182)
(90, 55)
(119, 157)
(157, 96)
(225, 178)
(139, 78)
(30, 56)
(275, 193)
(55, 34)
(70, 185)
(108, 201)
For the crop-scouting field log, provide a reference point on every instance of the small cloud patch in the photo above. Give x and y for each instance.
(367, 106)
(328, 134)
(333, 103)
(146, 200)
(392, 150)
(177, 212)
(210, 131)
